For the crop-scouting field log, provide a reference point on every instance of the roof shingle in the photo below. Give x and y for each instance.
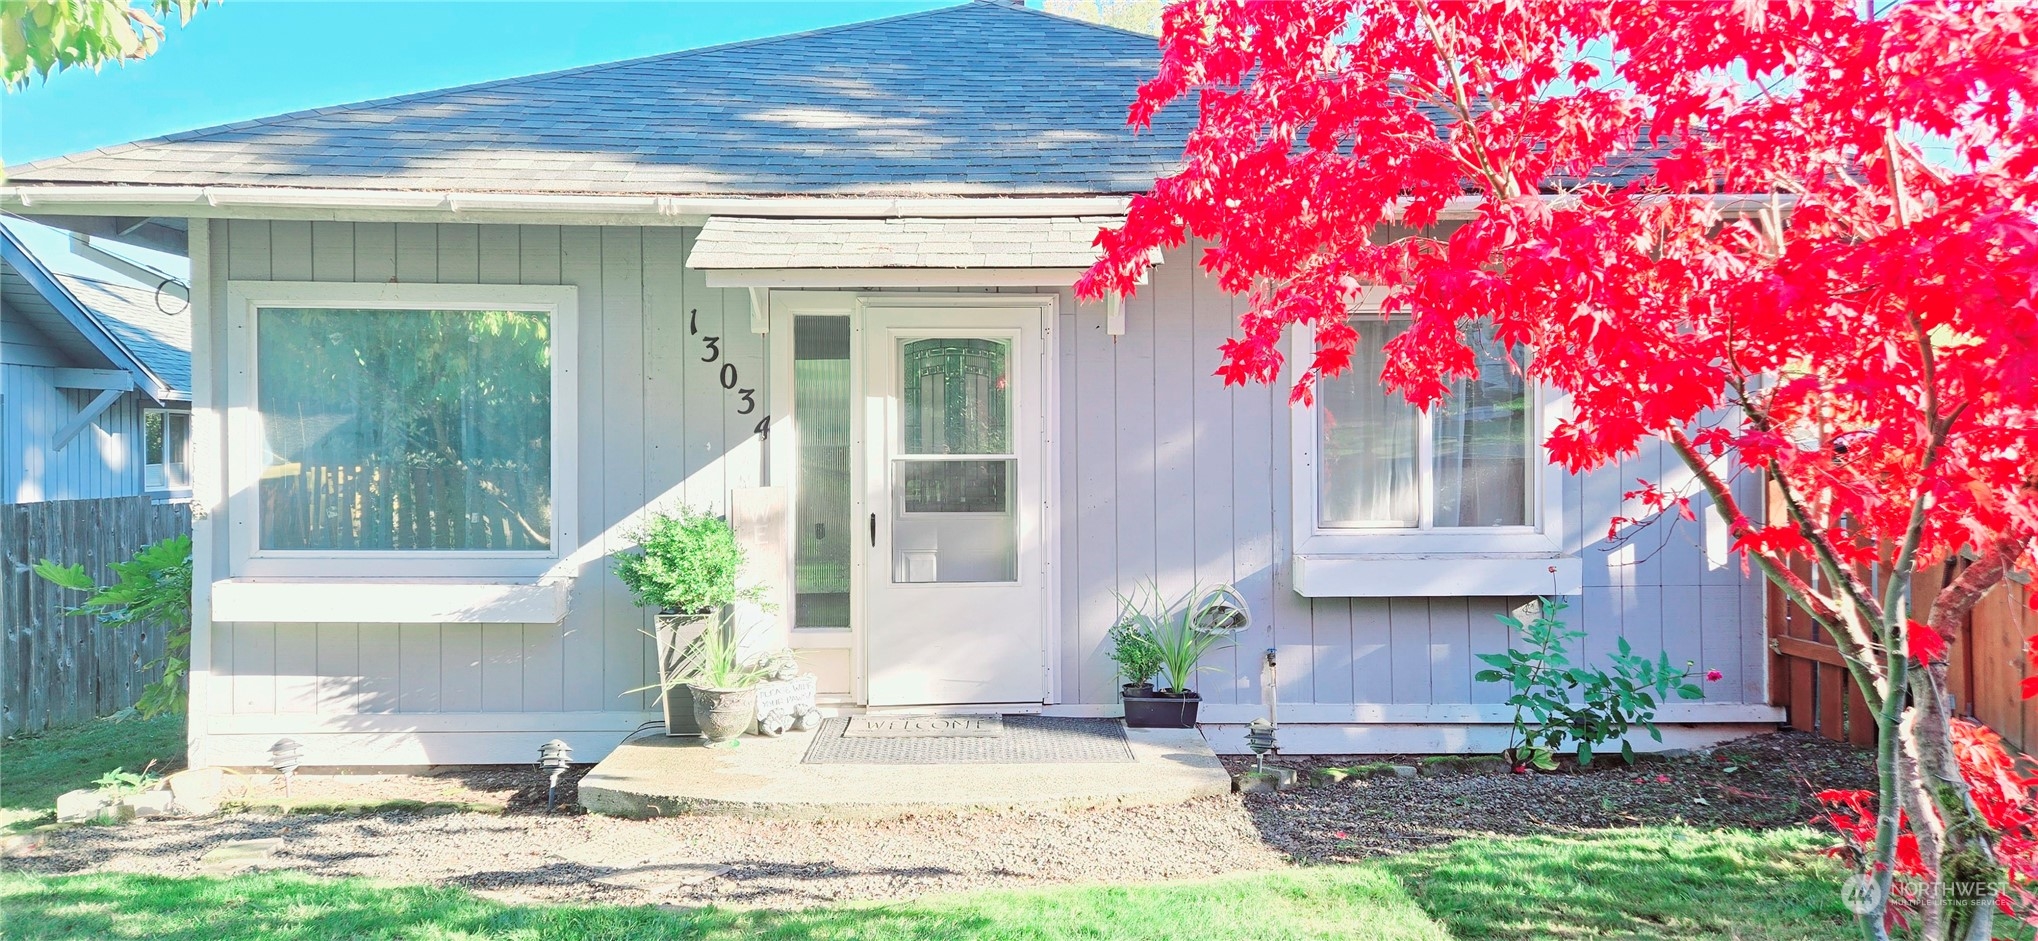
(978, 99)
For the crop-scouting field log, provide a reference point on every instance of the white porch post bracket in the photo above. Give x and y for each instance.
(1114, 313)
(760, 310)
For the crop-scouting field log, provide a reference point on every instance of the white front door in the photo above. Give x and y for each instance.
(954, 583)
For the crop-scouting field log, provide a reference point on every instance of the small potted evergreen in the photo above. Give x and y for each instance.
(684, 567)
(1139, 661)
(1179, 633)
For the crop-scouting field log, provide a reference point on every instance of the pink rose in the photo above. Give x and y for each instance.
(1714, 676)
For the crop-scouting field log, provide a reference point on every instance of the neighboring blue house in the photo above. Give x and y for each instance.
(95, 385)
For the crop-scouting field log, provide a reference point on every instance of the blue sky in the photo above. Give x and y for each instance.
(250, 58)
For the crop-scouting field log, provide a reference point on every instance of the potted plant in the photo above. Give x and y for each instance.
(1139, 661)
(685, 567)
(1180, 634)
(724, 686)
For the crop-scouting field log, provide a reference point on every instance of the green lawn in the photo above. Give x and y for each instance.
(1646, 884)
(35, 769)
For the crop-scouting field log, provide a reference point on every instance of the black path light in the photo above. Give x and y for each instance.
(1260, 735)
(553, 759)
(285, 756)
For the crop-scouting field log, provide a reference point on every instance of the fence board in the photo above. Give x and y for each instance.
(62, 670)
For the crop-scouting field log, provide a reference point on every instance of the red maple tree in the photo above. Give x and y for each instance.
(1790, 236)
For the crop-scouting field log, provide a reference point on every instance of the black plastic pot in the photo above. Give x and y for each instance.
(1130, 690)
(1162, 711)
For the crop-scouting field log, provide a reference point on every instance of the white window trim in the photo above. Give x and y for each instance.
(167, 488)
(1490, 560)
(244, 430)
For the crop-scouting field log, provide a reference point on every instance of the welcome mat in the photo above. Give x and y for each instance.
(1022, 740)
(924, 727)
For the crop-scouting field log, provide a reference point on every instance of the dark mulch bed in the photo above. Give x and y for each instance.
(1763, 782)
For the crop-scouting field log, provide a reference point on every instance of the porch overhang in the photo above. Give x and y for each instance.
(762, 252)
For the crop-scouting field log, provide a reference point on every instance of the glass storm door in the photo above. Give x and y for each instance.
(953, 575)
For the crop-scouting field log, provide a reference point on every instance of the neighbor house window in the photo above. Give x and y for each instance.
(1383, 465)
(417, 420)
(166, 449)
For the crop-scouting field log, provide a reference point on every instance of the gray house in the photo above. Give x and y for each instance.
(820, 282)
(95, 385)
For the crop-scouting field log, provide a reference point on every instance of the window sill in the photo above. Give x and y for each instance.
(386, 601)
(1436, 575)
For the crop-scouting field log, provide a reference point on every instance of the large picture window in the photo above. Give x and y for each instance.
(1384, 465)
(405, 429)
(423, 421)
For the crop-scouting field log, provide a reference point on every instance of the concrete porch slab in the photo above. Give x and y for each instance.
(662, 776)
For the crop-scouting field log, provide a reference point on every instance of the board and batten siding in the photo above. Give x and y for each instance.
(1165, 473)
(1170, 474)
(656, 430)
(104, 459)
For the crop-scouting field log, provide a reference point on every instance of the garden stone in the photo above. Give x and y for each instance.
(1404, 771)
(15, 845)
(87, 805)
(240, 854)
(197, 789)
(156, 803)
(657, 878)
(1263, 782)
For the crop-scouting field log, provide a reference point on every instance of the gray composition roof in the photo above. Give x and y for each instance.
(1041, 242)
(99, 323)
(979, 99)
(136, 317)
(982, 98)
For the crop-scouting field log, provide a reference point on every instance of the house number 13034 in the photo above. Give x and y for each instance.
(728, 375)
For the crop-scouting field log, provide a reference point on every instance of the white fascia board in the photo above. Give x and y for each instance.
(891, 277)
(377, 205)
(382, 601)
(1438, 576)
(440, 206)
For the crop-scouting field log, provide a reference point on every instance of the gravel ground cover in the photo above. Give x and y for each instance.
(516, 852)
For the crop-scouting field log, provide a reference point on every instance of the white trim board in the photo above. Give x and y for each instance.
(360, 205)
(389, 601)
(891, 277)
(1460, 713)
(1229, 739)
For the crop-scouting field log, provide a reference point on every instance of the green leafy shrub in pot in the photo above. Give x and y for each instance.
(1137, 656)
(1180, 632)
(685, 563)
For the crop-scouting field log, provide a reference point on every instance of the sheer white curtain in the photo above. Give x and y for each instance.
(1374, 448)
(1367, 459)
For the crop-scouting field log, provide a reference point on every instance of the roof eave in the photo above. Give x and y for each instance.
(31, 270)
(199, 202)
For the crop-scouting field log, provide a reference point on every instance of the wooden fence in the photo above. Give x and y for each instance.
(1987, 670)
(57, 670)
